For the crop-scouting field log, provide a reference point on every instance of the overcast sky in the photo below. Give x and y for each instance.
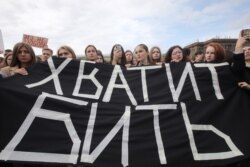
(104, 23)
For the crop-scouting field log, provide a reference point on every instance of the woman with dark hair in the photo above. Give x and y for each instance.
(66, 52)
(23, 57)
(117, 55)
(186, 53)
(174, 54)
(1, 62)
(243, 49)
(198, 57)
(91, 53)
(100, 58)
(129, 58)
(7, 59)
(155, 55)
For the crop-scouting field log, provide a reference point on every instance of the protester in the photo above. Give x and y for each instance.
(186, 53)
(134, 61)
(117, 55)
(1, 62)
(23, 57)
(241, 66)
(91, 53)
(46, 53)
(198, 57)
(100, 58)
(155, 55)
(129, 58)
(8, 59)
(246, 83)
(66, 52)
(229, 56)
(6, 51)
(215, 53)
(243, 45)
(142, 55)
(174, 54)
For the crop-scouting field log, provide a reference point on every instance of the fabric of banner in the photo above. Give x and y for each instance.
(78, 112)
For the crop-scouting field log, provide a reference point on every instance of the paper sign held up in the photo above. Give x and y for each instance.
(1, 43)
(35, 41)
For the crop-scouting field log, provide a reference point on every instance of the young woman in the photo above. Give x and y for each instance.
(155, 55)
(243, 46)
(91, 53)
(174, 54)
(23, 57)
(129, 58)
(66, 52)
(7, 59)
(1, 62)
(100, 58)
(142, 55)
(198, 57)
(117, 55)
(215, 53)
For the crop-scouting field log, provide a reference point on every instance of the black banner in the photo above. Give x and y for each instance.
(78, 112)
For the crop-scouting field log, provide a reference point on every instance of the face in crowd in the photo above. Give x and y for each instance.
(199, 57)
(63, 53)
(91, 53)
(117, 52)
(247, 53)
(117, 55)
(142, 54)
(100, 58)
(176, 55)
(215, 53)
(9, 58)
(66, 52)
(129, 56)
(24, 56)
(156, 54)
(210, 54)
(46, 53)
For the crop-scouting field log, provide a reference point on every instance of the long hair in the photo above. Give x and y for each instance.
(85, 51)
(151, 54)
(123, 58)
(16, 49)
(129, 51)
(6, 58)
(219, 52)
(168, 57)
(68, 49)
(99, 53)
(146, 49)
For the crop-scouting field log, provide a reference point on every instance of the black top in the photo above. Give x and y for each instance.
(238, 66)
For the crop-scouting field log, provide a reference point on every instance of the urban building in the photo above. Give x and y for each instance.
(227, 43)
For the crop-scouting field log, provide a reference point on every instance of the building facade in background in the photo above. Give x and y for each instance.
(227, 43)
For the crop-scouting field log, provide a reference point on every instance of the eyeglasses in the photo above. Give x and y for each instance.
(177, 52)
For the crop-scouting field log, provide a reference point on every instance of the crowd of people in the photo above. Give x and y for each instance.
(22, 56)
